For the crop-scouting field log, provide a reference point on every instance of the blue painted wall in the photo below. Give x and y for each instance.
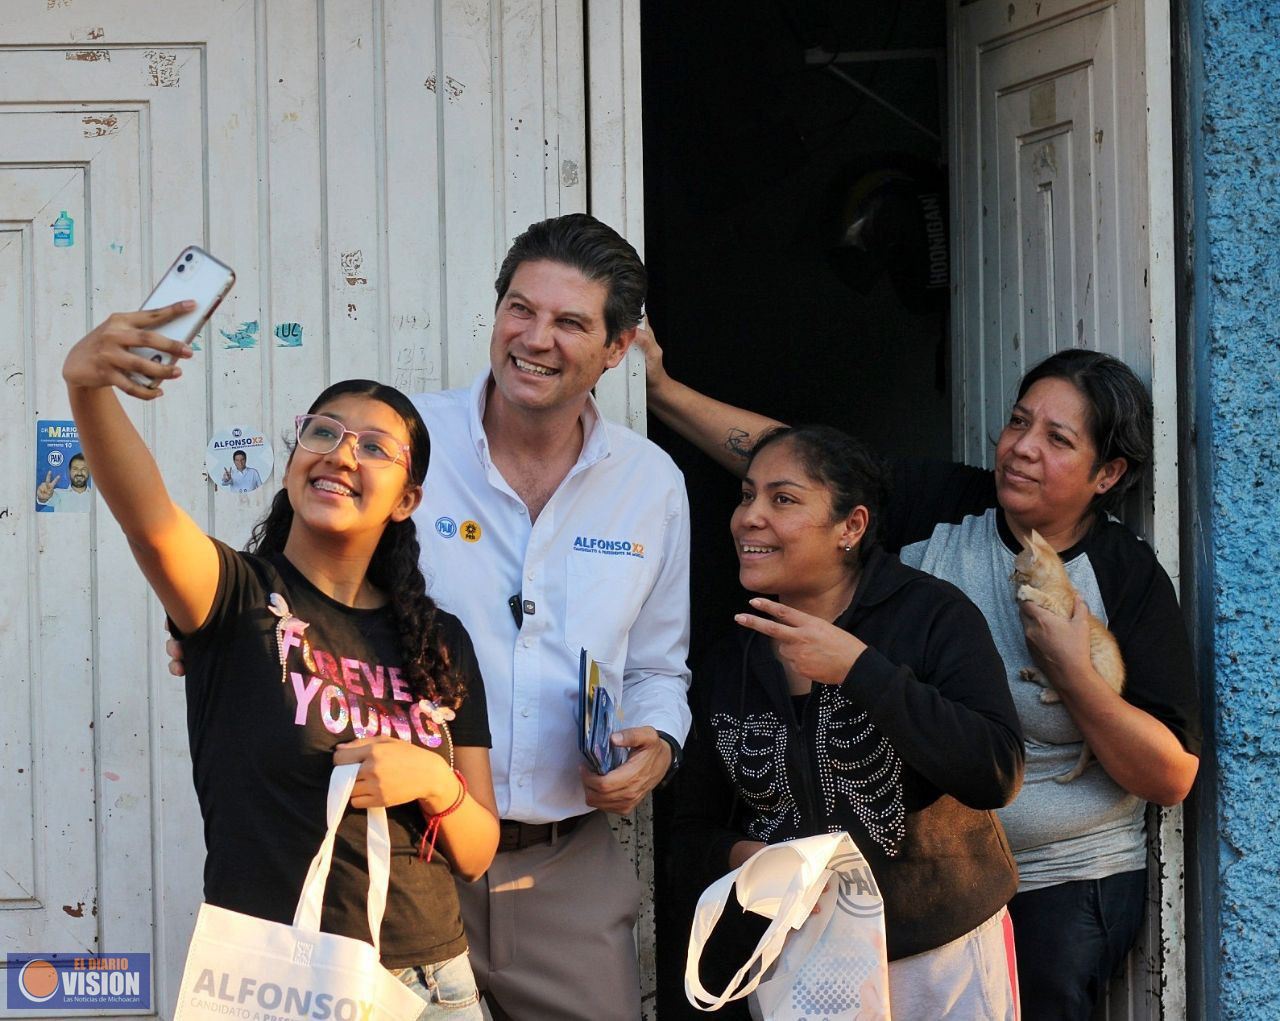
(1235, 85)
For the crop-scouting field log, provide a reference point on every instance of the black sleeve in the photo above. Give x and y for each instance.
(241, 586)
(704, 803)
(470, 726)
(925, 493)
(955, 723)
(1144, 616)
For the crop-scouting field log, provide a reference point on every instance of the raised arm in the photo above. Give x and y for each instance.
(178, 559)
(724, 433)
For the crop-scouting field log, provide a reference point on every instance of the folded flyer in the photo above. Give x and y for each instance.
(599, 712)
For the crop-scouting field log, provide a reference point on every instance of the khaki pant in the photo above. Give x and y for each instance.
(551, 930)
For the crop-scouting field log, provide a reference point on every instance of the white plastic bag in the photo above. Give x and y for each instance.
(829, 966)
(239, 966)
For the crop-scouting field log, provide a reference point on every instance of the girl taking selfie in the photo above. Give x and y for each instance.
(316, 647)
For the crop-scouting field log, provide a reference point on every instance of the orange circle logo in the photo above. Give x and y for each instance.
(470, 531)
(38, 980)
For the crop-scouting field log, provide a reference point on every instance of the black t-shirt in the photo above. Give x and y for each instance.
(262, 742)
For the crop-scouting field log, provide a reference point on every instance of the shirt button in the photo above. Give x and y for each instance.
(525, 712)
(522, 781)
(525, 643)
(529, 576)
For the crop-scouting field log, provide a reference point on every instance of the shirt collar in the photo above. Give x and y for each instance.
(595, 437)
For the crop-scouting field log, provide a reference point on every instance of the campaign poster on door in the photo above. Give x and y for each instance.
(62, 481)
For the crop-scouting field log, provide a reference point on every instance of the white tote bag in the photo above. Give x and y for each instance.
(241, 966)
(831, 965)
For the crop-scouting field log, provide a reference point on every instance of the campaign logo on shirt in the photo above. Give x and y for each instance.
(446, 527)
(609, 547)
(470, 531)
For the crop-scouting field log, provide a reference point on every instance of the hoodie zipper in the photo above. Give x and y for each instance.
(796, 727)
(806, 770)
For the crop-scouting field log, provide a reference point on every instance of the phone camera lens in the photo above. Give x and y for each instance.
(188, 258)
(181, 268)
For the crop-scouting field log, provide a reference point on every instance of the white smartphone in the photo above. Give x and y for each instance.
(196, 276)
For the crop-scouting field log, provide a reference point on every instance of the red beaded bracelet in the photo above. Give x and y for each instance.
(428, 846)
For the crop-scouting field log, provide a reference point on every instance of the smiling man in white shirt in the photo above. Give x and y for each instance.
(240, 478)
(547, 529)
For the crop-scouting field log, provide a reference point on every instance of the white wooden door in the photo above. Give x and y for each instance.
(363, 165)
(1063, 236)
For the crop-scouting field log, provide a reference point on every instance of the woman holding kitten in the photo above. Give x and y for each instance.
(1077, 438)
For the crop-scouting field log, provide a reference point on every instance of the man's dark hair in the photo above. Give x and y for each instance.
(1118, 412)
(595, 250)
(241, 452)
(77, 457)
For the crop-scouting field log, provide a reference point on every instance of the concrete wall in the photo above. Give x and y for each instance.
(1233, 75)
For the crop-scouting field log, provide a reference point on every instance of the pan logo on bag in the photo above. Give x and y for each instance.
(858, 894)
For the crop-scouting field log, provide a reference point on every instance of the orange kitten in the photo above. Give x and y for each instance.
(1041, 578)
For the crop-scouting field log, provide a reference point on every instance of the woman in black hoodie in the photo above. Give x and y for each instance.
(894, 723)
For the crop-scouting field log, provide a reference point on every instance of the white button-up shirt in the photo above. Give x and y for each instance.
(605, 567)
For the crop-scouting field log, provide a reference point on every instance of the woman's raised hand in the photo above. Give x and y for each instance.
(654, 371)
(807, 645)
(105, 357)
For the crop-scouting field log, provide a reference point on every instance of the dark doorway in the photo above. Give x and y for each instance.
(796, 237)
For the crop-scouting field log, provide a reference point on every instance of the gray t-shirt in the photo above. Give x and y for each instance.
(1091, 827)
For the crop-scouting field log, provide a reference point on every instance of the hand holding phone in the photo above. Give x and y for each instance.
(195, 276)
(107, 355)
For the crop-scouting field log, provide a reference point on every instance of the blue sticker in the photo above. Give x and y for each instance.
(289, 334)
(77, 981)
(243, 339)
(64, 231)
(446, 527)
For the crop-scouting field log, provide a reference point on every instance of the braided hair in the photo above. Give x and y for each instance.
(394, 568)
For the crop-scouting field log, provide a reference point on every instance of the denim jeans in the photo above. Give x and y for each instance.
(447, 989)
(1070, 938)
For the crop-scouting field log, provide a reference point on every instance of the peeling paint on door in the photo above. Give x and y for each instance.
(98, 127)
(162, 68)
(1044, 104)
(352, 267)
(453, 89)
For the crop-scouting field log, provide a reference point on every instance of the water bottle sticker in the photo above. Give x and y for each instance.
(64, 231)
